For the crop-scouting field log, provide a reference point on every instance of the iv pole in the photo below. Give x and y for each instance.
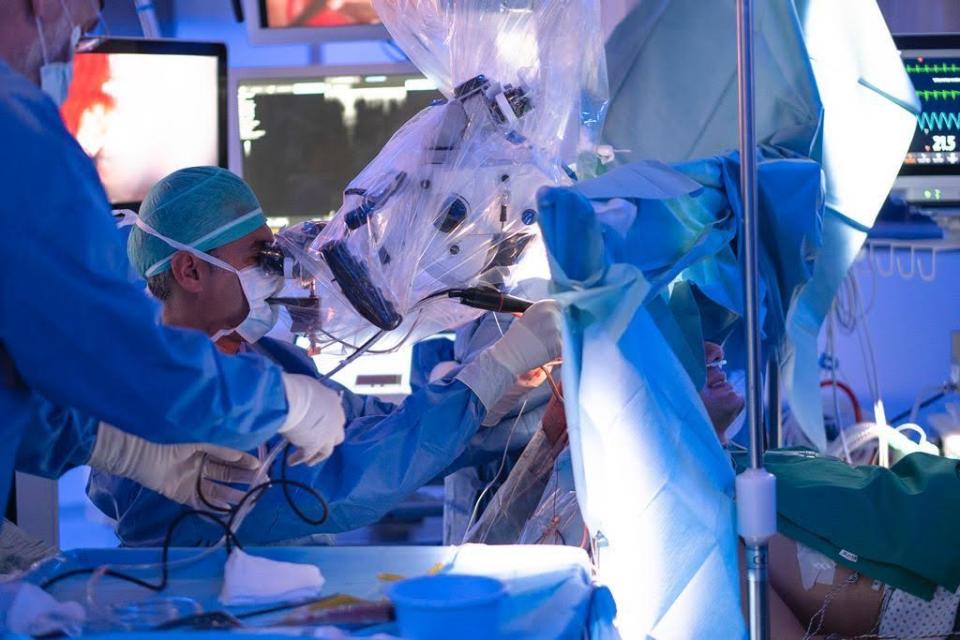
(756, 488)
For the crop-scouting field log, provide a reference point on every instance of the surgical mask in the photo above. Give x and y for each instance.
(55, 77)
(258, 287)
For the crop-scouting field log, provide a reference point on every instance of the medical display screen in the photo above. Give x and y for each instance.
(302, 141)
(936, 79)
(140, 116)
(317, 13)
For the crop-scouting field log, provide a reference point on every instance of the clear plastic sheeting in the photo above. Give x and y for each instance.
(516, 501)
(449, 202)
(557, 521)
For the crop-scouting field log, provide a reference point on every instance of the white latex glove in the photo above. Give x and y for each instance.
(507, 371)
(315, 418)
(172, 470)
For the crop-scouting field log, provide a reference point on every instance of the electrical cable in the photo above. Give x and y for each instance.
(942, 390)
(907, 413)
(165, 554)
(503, 464)
(820, 616)
(366, 346)
(287, 484)
(237, 514)
(554, 387)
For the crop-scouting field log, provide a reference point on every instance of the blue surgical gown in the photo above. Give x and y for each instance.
(389, 452)
(75, 330)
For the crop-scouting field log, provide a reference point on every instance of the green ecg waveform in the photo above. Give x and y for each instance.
(933, 68)
(938, 94)
(938, 120)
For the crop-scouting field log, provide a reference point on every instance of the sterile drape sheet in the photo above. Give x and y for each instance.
(830, 86)
(835, 116)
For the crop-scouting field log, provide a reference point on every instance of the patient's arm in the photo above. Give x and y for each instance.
(783, 623)
(853, 610)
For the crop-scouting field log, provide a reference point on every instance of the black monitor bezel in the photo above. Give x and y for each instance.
(173, 47)
(928, 41)
(261, 32)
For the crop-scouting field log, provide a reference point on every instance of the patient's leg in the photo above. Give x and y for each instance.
(853, 610)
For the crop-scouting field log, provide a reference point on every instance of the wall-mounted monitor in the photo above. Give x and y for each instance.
(930, 174)
(142, 109)
(302, 134)
(308, 21)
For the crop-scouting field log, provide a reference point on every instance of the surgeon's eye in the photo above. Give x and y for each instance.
(717, 364)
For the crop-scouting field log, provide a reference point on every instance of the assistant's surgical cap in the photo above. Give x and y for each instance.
(204, 207)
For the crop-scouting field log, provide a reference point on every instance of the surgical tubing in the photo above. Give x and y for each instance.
(847, 391)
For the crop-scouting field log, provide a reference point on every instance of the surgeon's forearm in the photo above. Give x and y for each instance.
(60, 439)
(382, 461)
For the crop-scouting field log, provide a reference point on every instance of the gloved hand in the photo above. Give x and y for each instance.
(315, 418)
(504, 373)
(172, 470)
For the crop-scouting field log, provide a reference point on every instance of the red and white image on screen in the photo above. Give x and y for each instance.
(320, 13)
(142, 116)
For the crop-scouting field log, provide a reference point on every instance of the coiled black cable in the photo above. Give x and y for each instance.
(231, 539)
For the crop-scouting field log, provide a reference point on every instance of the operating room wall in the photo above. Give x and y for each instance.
(909, 323)
(921, 16)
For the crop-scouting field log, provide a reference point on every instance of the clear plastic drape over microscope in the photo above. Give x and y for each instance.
(449, 202)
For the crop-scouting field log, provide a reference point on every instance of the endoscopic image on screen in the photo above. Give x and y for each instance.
(319, 13)
(143, 116)
(303, 140)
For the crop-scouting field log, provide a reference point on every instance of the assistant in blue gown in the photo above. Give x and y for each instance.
(389, 452)
(75, 330)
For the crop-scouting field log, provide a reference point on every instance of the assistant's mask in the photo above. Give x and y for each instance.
(55, 77)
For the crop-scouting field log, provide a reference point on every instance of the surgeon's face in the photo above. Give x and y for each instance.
(723, 402)
(224, 302)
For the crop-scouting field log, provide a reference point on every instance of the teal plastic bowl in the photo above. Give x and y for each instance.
(448, 606)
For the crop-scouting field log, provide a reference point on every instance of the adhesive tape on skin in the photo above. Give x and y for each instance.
(814, 567)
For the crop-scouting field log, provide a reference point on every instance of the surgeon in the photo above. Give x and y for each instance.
(76, 333)
(200, 226)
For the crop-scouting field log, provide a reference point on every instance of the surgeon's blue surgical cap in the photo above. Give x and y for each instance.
(204, 207)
